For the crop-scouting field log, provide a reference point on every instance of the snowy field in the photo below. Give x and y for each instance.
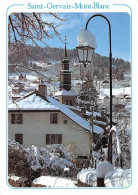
(55, 182)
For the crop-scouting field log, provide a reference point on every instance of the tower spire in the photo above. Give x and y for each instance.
(65, 52)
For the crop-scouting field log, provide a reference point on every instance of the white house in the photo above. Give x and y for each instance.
(37, 119)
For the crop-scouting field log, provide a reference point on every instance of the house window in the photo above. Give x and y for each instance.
(19, 138)
(16, 118)
(53, 138)
(70, 102)
(65, 122)
(53, 118)
(67, 102)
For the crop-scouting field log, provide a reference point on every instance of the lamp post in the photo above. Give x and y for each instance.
(85, 54)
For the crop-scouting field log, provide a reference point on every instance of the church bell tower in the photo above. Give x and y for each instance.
(65, 94)
(65, 74)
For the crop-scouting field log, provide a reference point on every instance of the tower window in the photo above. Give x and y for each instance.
(70, 102)
(67, 102)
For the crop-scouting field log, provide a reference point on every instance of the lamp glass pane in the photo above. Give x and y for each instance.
(80, 54)
(90, 54)
(85, 54)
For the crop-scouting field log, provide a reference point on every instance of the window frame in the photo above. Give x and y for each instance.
(65, 123)
(19, 138)
(16, 118)
(53, 139)
(53, 118)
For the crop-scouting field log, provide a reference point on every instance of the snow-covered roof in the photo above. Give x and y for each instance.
(73, 108)
(36, 102)
(32, 102)
(100, 122)
(94, 113)
(75, 117)
(65, 93)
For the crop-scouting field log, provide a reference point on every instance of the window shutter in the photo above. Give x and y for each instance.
(12, 118)
(21, 138)
(59, 138)
(17, 137)
(47, 138)
(56, 118)
(51, 118)
(20, 119)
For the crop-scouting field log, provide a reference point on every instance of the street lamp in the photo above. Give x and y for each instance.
(86, 47)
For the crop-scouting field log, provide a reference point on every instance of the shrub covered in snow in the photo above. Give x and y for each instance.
(53, 158)
(18, 163)
(32, 161)
(17, 160)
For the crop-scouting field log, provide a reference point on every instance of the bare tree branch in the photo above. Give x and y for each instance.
(31, 29)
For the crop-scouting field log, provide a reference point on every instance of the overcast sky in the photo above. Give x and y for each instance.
(75, 22)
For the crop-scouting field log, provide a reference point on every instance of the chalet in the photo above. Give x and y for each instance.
(38, 119)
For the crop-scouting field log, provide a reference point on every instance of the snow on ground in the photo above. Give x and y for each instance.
(115, 91)
(88, 176)
(113, 177)
(118, 178)
(13, 177)
(54, 182)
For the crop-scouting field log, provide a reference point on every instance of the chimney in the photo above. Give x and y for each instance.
(42, 89)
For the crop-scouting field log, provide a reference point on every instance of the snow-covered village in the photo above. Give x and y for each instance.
(69, 109)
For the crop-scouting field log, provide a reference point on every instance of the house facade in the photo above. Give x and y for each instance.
(48, 127)
(37, 119)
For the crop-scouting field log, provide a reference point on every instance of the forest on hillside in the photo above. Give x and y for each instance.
(57, 54)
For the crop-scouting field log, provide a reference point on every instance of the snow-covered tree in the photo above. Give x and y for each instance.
(88, 93)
